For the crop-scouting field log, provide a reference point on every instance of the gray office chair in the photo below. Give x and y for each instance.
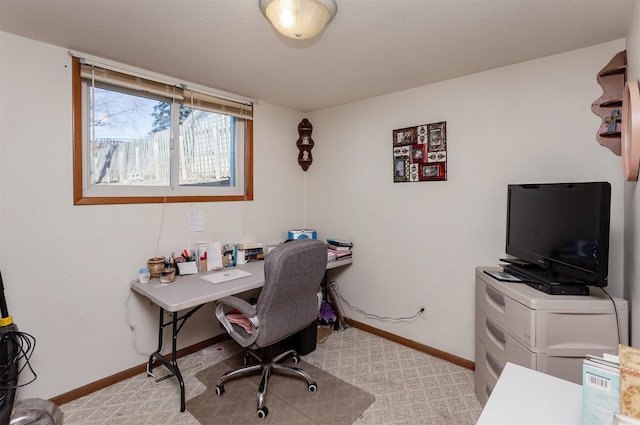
(289, 302)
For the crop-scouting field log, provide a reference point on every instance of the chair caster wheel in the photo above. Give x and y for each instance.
(246, 360)
(313, 387)
(295, 359)
(263, 412)
(219, 389)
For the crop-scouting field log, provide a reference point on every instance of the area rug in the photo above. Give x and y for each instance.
(288, 400)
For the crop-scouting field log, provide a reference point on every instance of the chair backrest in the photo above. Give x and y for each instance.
(288, 302)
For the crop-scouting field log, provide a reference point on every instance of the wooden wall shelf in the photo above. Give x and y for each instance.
(612, 79)
(305, 144)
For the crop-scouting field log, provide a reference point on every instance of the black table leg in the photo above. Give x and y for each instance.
(176, 325)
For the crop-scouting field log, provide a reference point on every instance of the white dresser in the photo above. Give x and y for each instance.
(548, 333)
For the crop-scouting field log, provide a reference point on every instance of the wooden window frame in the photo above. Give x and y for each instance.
(78, 145)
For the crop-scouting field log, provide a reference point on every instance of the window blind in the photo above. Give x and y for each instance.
(215, 104)
(189, 97)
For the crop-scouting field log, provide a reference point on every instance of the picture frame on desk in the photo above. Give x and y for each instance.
(188, 267)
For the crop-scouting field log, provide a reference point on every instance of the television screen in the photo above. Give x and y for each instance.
(561, 230)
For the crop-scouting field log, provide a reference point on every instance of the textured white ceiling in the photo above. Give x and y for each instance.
(372, 47)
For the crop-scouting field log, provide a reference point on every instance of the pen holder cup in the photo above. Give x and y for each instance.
(168, 275)
(156, 266)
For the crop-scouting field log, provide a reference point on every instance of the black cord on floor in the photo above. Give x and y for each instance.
(334, 286)
(24, 346)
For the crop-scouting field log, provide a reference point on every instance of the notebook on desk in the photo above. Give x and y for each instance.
(225, 276)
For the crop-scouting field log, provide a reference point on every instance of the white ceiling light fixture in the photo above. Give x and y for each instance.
(299, 19)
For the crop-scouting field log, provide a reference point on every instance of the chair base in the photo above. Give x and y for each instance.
(267, 364)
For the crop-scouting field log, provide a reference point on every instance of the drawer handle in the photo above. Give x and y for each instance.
(493, 364)
(495, 295)
(497, 333)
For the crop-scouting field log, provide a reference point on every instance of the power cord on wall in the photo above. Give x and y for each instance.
(132, 325)
(334, 285)
(164, 205)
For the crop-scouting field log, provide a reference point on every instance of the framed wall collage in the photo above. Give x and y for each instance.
(420, 153)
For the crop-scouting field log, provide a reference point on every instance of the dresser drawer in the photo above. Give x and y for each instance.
(499, 345)
(482, 387)
(566, 367)
(567, 333)
(487, 364)
(520, 320)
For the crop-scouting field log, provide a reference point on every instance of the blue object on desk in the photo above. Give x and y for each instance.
(302, 234)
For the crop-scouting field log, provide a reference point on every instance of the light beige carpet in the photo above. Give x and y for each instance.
(288, 400)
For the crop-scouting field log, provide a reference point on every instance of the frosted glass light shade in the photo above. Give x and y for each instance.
(299, 19)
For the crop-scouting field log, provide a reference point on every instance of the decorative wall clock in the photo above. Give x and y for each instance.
(630, 142)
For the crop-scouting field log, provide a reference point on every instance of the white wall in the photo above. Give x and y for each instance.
(67, 268)
(417, 244)
(632, 194)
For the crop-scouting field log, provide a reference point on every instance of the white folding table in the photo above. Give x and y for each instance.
(192, 293)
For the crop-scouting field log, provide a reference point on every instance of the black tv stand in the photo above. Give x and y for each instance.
(543, 281)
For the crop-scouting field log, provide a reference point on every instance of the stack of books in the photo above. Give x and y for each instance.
(338, 249)
(252, 251)
(610, 388)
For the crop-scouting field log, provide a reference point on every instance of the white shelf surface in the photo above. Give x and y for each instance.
(524, 396)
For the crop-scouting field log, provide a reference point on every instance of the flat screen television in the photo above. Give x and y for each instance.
(559, 233)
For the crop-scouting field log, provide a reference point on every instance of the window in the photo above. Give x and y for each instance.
(140, 140)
